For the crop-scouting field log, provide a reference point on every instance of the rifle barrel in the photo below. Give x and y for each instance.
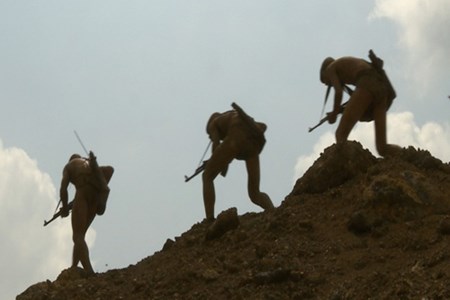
(317, 125)
(197, 171)
(324, 119)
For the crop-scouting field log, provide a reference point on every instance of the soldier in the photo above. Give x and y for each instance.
(234, 135)
(371, 99)
(91, 183)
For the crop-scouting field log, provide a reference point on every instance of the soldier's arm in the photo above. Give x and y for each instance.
(213, 132)
(335, 82)
(215, 140)
(338, 90)
(63, 194)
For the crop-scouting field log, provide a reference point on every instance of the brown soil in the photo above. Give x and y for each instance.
(354, 227)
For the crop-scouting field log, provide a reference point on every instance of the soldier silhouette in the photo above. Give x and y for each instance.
(372, 97)
(234, 135)
(92, 191)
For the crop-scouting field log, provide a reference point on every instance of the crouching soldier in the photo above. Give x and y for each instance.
(234, 135)
(371, 99)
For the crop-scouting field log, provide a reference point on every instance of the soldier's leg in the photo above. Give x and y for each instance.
(357, 105)
(82, 217)
(104, 176)
(259, 198)
(218, 162)
(383, 148)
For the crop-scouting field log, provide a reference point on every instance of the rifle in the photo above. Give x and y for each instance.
(58, 214)
(324, 119)
(197, 171)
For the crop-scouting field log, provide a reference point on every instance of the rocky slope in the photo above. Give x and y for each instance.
(354, 227)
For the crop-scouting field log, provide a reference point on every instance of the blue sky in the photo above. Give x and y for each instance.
(139, 79)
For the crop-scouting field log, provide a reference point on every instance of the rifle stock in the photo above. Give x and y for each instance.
(58, 214)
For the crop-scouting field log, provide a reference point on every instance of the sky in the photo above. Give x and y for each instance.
(138, 81)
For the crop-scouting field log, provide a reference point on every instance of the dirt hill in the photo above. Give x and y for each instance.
(354, 227)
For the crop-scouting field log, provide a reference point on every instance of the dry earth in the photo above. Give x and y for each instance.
(354, 227)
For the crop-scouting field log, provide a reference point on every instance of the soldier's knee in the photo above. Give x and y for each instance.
(261, 199)
(209, 175)
(266, 202)
(205, 176)
(77, 238)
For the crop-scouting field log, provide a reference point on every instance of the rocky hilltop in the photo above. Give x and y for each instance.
(353, 227)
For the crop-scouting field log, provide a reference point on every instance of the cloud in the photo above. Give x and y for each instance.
(30, 253)
(306, 161)
(402, 130)
(423, 34)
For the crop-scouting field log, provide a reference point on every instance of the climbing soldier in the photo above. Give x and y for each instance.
(234, 135)
(372, 97)
(92, 191)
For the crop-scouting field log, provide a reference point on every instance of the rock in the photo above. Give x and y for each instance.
(168, 244)
(444, 226)
(275, 276)
(421, 158)
(358, 223)
(210, 275)
(397, 198)
(336, 165)
(303, 249)
(226, 221)
(36, 289)
(71, 274)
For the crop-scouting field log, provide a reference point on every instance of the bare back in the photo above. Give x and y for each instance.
(345, 70)
(78, 172)
(230, 125)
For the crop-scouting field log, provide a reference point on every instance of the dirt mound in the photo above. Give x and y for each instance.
(354, 227)
(336, 165)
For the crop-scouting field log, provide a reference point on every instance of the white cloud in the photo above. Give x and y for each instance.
(402, 130)
(423, 34)
(306, 161)
(30, 253)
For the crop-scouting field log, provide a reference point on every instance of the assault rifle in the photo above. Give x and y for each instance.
(324, 119)
(197, 171)
(249, 121)
(58, 214)
(348, 90)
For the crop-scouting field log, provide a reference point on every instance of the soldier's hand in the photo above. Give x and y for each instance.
(64, 211)
(331, 116)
